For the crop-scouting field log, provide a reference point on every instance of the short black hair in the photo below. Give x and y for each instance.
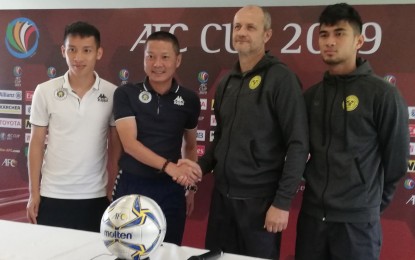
(333, 14)
(82, 29)
(167, 37)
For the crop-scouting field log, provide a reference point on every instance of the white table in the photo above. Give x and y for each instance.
(23, 241)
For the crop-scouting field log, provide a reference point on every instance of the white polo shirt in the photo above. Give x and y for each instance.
(75, 161)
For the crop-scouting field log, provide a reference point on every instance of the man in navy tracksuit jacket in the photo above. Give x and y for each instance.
(358, 144)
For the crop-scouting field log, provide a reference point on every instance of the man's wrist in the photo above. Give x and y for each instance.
(163, 168)
(192, 188)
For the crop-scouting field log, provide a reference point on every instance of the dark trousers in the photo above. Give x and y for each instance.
(168, 195)
(319, 240)
(76, 214)
(237, 226)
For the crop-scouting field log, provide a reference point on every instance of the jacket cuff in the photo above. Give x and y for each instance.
(282, 203)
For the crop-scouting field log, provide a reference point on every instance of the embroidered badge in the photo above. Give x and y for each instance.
(351, 103)
(102, 98)
(255, 81)
(179, 101)
(145, 97)
(61, 94)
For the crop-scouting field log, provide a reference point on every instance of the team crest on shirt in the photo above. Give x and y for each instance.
(179, 101)
(351, 103)
(61, 94)
(145, 97)
(254, 82)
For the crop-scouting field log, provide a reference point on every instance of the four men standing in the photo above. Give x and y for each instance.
(355, 123)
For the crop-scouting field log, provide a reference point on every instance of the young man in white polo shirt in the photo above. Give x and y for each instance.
(68, 181)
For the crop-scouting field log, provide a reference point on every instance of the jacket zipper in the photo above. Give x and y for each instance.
(327, 152)
(229, 139)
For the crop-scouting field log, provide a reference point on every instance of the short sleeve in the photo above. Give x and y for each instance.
(122, 105)
(39, 114)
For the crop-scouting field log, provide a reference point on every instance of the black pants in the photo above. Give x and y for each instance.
(168, 195)
(237, 226)
(75, 214)
(318, 240)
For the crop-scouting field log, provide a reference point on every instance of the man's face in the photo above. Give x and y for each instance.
(81, 54)
(160, 61)
(339, 43)
(248, 34)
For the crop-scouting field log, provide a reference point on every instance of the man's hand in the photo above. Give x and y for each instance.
(276, 219)
(185, 172)
(32, 208)
(194, 166)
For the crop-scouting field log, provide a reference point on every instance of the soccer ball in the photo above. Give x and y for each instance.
(133, 226)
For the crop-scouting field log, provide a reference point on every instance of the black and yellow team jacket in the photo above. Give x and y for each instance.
(358, 144)
(261, 139)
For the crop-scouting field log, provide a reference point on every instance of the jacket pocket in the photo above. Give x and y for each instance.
(359, 171)
(252, 150)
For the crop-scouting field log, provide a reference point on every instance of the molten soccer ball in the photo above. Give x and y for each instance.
(133, 226)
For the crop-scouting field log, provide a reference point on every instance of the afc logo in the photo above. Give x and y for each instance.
(120, 216)
(9, 163)
(411, 200)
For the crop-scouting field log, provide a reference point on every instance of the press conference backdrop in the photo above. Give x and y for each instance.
(33, 56)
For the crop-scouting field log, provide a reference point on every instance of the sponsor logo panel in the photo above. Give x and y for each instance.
(212, 120)
(14, 109)
(203, 104)
(200, 150)
(411, 112)
(211, 136)
(412, 130)
(29, 96)
(200, 135)
(10, 123)
(10, 95)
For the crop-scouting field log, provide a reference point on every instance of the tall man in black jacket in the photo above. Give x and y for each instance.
(358, 144)
(260, 144)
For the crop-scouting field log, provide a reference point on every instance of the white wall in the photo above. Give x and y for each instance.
(102, 4)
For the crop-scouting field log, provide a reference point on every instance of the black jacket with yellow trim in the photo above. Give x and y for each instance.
(358, 144)
(261, 139)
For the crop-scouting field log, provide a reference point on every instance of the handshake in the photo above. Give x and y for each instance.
(185, 172)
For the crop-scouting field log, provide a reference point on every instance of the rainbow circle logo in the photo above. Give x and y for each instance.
(203, 77)
(409, 184)
(22, 38)
(123, 74)
(17, 71)
(51, 72)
